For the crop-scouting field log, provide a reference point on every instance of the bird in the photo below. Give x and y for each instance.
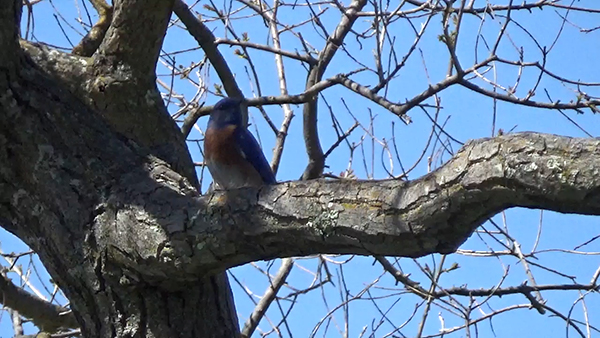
(231, 153)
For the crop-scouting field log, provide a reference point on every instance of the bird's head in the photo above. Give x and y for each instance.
(226, 112)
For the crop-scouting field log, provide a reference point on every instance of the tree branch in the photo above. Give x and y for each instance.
(316, 159)
(123, 98)
(135, 35)
(480, 10)
(399, 109)
(207, 42)
(188, 237)
(261, 308)
(275, 50)
(92, 40)
(45, 315)
(583, 103)
(10, 19)
(436, 213)
(303, 97)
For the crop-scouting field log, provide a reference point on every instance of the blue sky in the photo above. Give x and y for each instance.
(465, 115)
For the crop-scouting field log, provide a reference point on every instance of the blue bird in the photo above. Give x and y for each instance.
(231, 153)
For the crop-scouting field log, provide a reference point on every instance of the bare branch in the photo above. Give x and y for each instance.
(583, 103)
(207, 42)
(398, 109)
(45, 315)
(17, 322)
(275, 50)
(283, 88)
(316, 160)
(259, 311)
(304, 97)
(468, 9)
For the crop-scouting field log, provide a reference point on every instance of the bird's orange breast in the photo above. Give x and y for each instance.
(220, 145)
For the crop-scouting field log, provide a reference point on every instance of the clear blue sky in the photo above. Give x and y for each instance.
(466, 116)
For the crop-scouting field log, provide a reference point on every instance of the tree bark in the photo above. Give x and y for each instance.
(56, 182)
(60, 116)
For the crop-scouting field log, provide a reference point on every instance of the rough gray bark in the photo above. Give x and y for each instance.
(95, 177)
(55, 181)
(189, 236)
(45, 315)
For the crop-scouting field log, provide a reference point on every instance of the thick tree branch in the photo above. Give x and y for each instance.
(122, 100)
(10, 18)
(186, 237)
(436, 213)
(46, 316)
(135, 35)
(60, 159)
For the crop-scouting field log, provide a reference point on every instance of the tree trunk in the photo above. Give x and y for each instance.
(71, 130)
(108, 300)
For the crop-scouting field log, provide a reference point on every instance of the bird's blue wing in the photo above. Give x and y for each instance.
(253, 154)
